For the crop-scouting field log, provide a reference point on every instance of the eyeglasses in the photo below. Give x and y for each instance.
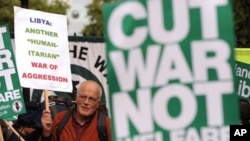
(90, 99)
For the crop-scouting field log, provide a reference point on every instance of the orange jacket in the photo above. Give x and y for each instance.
(69, 131)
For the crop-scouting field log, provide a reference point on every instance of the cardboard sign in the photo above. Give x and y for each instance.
(170, 70)
(11, 97)
(41, 42)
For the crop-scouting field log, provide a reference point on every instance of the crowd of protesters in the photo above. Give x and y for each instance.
(39, 124)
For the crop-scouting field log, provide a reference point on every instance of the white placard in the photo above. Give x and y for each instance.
(41, 41)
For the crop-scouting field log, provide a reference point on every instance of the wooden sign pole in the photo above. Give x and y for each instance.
(46, 99)
(1, 133)
(14, 131)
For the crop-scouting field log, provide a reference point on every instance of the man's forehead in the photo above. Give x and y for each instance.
(88, 91)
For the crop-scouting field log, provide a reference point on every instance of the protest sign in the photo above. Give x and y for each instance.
(170, 70)
(41, 42)
(11, 97)
(88, 62)
(242, 72)
(242, 79)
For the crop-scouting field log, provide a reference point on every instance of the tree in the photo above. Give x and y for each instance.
(7, 10)
(95, 27)
(241, 11)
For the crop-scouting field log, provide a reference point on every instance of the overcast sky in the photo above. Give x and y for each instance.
(77, 24)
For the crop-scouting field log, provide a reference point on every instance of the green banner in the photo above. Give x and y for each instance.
(11, 97)
(242, 79)
(171, 69)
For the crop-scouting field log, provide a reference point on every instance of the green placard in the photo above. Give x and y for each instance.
(242, 80)
(11, 97)
(171, 70)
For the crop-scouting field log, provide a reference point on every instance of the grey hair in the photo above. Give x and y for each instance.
(83, 83)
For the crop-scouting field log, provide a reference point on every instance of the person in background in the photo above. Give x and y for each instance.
(6, 132)
(82, 124)
(244, 111)
(28, 125)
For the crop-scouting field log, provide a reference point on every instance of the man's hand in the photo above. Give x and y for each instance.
(46, 121)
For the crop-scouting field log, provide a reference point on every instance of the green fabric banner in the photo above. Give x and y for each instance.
(171, 69)
(11, 97)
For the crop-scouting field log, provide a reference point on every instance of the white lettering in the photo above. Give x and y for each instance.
(173, 65)
(6, 59)
(7, 76)
(156, 23)
(205, 134)
(188, 107)
(218, 61)
(118, 38)
(208, 16)
(240, 132)
(10, 95)
(135, 67)
(137, 115)
(213, 92)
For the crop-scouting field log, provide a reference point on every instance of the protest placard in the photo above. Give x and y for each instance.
(171, 70)
(41, 42)
(242, 79)
(242, 72)
(11, 97)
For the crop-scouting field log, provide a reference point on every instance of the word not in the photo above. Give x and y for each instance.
(43, 65)
(42, 42)
(43, 54)
(10, 95)
(41, 31)
(40, 21)
(151, 107)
